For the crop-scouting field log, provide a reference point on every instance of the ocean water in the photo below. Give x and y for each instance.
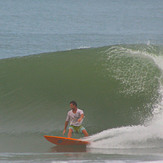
(107, 55)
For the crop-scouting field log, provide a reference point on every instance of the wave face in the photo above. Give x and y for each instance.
(114, 85)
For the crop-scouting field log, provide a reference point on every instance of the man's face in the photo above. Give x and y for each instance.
(72, 106)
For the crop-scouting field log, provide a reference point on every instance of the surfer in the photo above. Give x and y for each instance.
(75, 117)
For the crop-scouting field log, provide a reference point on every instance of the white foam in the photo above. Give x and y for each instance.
(149, 135)
(129, 137)
(83, 47)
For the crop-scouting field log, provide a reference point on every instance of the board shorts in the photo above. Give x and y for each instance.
(77, 129)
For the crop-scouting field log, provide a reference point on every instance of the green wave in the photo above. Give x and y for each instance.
(114, 85)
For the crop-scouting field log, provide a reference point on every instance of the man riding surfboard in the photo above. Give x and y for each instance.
(75, 117)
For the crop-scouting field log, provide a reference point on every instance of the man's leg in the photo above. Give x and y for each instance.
(70, 133)
(85, 132)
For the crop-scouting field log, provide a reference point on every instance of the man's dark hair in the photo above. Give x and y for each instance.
(73, 102)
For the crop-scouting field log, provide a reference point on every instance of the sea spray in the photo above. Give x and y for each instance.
(148, 135)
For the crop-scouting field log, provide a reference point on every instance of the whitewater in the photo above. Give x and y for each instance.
(149, 135)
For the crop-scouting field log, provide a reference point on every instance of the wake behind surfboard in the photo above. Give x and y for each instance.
(65, 141)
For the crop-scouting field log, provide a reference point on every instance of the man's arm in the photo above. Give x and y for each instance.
(66, 124)
(81, 117)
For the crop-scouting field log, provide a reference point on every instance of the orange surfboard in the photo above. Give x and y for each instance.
(65, 141)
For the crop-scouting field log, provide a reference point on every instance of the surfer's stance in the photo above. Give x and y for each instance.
(75, 117)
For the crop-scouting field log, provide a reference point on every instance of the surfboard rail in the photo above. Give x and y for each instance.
(65, 141)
